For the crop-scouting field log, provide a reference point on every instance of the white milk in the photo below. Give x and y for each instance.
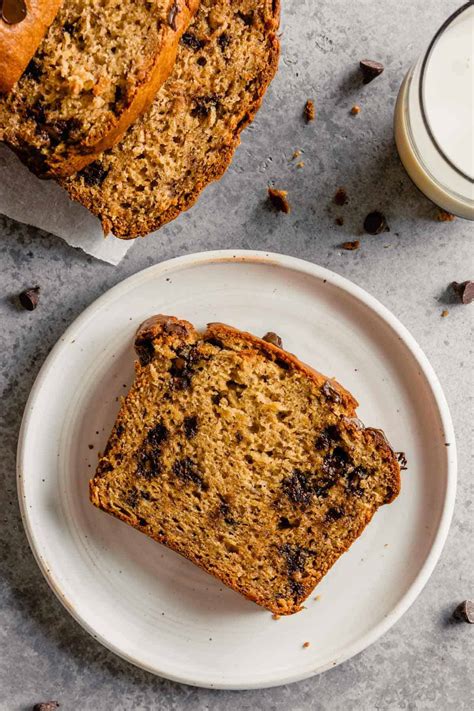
(434, 117)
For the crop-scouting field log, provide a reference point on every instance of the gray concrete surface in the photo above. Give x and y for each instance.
(424, 662)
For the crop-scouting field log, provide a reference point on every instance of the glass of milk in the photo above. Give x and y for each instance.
(434, 117)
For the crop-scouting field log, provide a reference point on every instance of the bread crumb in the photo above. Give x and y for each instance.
(278, 200)
(305, 645)
(339, 221)
(444, 216)
(351, 245)
(444, 313)
(318, 597)
(275, 616)
(300, 164)
(296, 154)
(340, 197)
(309, 111)
(355, 110)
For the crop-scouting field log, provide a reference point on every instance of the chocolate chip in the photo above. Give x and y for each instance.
(247, 18)
(216, 342)
(327, 437)
(340, 198)
(334, 513)
(298, 487)
(172, 15)
(69, 27)
(465, 612)
(46, 706)
(191, 41)
(309, 111)
(145, 350)
(175, 329)
(186, 470)
(375, 223)
(203, 105)
(330, 392)
(351, 245)
(278, 200)
(142, 522)
(132, 498)
(336, 464)
(464, 291)
(190, 426)
(13, 11)
(94, 173)
(273, 338)
(339, 221)
(223, 41)
(145, 495)
(402, 460)
(62, 130)
(157, 435)
(370, 69)
(29, 298)
(202, 61)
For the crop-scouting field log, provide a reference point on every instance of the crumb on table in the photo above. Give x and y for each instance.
(309, 111)
(305, 645)
(355, 110)
(279, 200)
(445, 216)
(444, 313)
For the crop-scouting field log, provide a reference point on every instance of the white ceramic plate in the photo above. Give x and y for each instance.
(148, 604)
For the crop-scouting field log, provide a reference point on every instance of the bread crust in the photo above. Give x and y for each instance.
(18, 43)
(130, 228)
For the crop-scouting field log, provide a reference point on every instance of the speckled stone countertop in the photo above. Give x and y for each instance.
(424, 661)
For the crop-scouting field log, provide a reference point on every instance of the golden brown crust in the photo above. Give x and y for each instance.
(130, 227)
(18, 43)
(170, 334)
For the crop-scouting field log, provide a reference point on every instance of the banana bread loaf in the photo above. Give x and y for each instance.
(225, 62)
(98, 67)
(23, 25)
(249, 463)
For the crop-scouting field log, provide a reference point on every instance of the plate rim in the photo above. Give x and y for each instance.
(314, 270)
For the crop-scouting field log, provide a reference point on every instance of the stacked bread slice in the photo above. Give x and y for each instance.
(92, 78)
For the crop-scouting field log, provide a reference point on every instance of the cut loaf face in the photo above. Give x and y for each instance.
(98, 67)
(233, 453)
(225, 62)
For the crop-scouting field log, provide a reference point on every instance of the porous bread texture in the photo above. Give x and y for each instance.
(249, 463)
(225, 62)
(98, 67)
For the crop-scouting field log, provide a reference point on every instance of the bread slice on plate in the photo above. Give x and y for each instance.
(98, 67)
(225, 62)
(235, 454)
(22, 27)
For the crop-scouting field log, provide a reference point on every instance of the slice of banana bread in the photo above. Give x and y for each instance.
(235, 454)
(225, 62)
(98, 67)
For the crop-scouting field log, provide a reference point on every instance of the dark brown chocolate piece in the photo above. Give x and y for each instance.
(465, 612)
(341, 198)
(370, 69)
(273, 338)
(13, 11)
(29, 298)
(375, 223)
(279, 200)
(190, 426)
(191, 41)
(94, 174)
(186, 470)
(464, 291)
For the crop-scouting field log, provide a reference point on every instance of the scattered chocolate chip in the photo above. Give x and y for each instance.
(401, 458)
(355, 110)
(350, 246)
(370, 69)
(190, 426)
(464, 291)
(309, 112)
(13, 11)
(279, 200)
(172, 15)
(46, 706)
(223, 41)
(444, 216)
(191, 41)
(298, 487)
(339, 221)
(465, 612)
(375, 223)
(334, 513)
(94, 173)
(273, 338)
(341, 197)
(186, 470)
(330, 392)
(29, 298)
